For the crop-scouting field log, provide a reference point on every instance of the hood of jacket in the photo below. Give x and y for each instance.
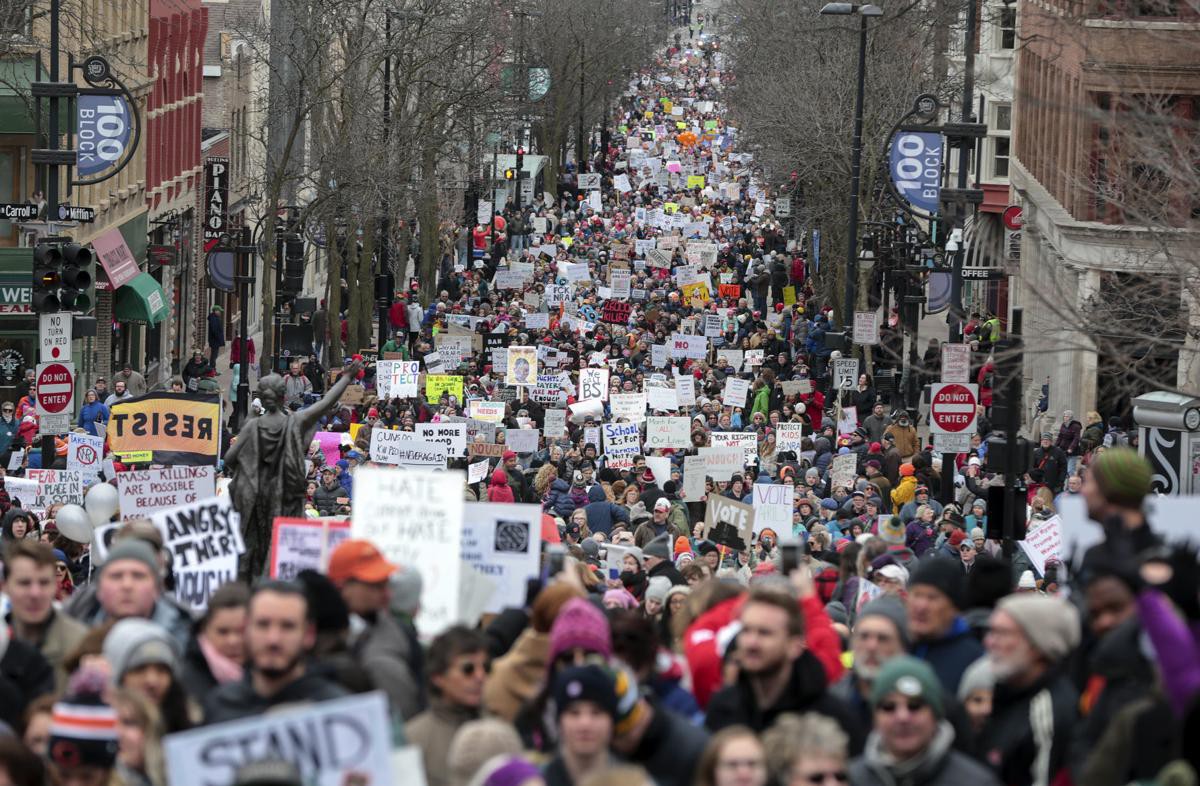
(561, 486)
(596, 493)
(919, 769)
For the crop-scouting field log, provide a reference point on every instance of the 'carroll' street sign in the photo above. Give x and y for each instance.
(13, 211)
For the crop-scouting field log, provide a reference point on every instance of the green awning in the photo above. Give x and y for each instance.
(141, 300)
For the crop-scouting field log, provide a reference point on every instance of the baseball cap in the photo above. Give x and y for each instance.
(359, 560)
(662, 504)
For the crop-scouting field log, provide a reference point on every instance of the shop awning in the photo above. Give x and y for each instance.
(141, 300)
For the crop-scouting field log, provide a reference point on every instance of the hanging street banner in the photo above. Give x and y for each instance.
(216, 199)
(915, 166)
(103, 126)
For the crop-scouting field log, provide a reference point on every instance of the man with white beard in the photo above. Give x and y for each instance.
(1034, 705)
(880, 634)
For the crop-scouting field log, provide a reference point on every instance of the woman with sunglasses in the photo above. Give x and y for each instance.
(912, 742)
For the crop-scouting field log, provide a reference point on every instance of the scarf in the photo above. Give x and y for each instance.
(223, 669)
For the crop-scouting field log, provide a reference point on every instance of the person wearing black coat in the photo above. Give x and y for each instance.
(1052, 461)
(24, 675)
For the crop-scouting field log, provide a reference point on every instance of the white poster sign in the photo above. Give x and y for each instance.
(452, 435)
(631, 406)
(746, 441)
(789, 436)
(773, 508)
(556, 424)
(332, 743)
(406, 449)
(503, 542)
(736, 390)
(668, 433)
(622, 439)
(415, 519)
(522, 440)
(85, 454)
(593, 383)
(146, 491)
(205, 539)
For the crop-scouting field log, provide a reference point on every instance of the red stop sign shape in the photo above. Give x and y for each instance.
(55, 388)
(952, 408)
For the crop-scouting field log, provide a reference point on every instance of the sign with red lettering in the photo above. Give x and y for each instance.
(616, 312)
(952, 407)
(729, 290)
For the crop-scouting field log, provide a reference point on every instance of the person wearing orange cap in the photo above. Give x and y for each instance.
(361, 574)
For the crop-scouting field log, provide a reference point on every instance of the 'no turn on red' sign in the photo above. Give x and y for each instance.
(952, 407)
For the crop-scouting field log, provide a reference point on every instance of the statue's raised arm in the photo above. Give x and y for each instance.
(310, 415)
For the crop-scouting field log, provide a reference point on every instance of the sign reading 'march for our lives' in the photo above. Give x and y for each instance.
(915, 166)
(104, 125)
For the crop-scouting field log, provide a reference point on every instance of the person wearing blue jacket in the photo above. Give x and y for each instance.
(602, 514)
(92, 412)
(558, 500)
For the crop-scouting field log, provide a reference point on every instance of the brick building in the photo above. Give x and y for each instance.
(1107, 101)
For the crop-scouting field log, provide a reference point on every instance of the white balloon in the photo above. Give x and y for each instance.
(101, 503)
(73, 521)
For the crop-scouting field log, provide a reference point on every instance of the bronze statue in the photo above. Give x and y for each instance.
(267, 461)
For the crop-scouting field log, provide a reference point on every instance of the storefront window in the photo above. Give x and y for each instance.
(17, 353)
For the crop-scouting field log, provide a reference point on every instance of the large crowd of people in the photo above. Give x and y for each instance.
(889, 634)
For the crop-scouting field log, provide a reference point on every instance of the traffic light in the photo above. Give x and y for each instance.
(520, 161)
(47, 278)
(76, 278)
(293, 263)
(510, 174)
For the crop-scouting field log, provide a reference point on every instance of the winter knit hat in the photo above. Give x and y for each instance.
(944, 575)
(133, 549)
(591, 683)
(907, 470)
(978, 676)
(657, 589)
(621, 596)
(579, 624)
(891, 609)
(476, 743)
(1123, 476)
(83, 727)
(659, 547)
(1051, 624)
(135, 642)
(909, 677)
(892, 531)
(682, 545)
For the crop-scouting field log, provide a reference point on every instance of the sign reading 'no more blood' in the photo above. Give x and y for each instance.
(952, 407)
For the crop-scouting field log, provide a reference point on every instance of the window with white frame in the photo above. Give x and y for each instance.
(1000, 130)
(1006, 24)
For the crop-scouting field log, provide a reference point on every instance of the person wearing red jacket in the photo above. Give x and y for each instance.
(708, 638)
(777, 672)
(798, 271)
(398, 315)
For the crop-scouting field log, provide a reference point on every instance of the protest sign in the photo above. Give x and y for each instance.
(621, 439)
(685, 390)
(331, 743)
(722, 463)
(754, 358)
(415, 519)
(733, 357)
(630, 406)
(661, 398)
(1043, 542)
(204, 539)
(478, 472)
(406, 449)
(729, 290)
(773, 508)
(397, 378)
(537, 321)
(503, 542)
(486, 449)
(555, 425)
(658, 355)
(177, 428)
(620, 281)
(736, 390)
(54, 486)
(866, 327)
(522, 366)
(848, 421)
(434, 364)
(668, 433)
(437, 384)
(521, 440)
(328, 442)
(796, 387)
(694, 473)
(616, 312)
(549, 390)
(728, 523)
(746, 441)
(843, 470)
(593, 383)
(685, 346)
(453, 349)
(85, 454)
(452, 435)
(489, 411)
(146, 491)
(304, 544)
(714, 325)
(789, 436)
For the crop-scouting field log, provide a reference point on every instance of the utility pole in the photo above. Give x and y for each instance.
(384, 293)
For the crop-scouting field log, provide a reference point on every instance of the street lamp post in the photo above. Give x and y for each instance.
(864, 12)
